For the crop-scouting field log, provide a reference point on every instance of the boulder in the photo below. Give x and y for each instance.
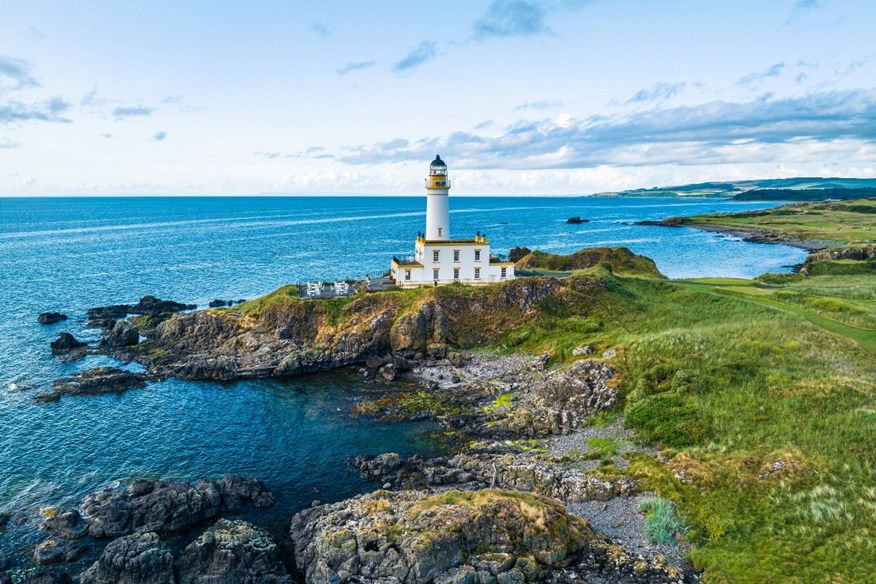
(135, 559)
(51, 317)
(235, 489)
(50, 552)
(217, 303)
(123, 334)
(232, 552)
(159, 506)
(169, 507)
(388, 372)
(412, 537)
(66, 343)
(66, 523)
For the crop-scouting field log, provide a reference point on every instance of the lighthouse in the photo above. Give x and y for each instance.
(437, 202)
(437, 258)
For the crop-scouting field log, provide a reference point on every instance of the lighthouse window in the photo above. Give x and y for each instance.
(456, 273)
(504, 272)
(435, 255)
(456, 255)
(477, 273)
(407, 274)
(477, 255)
(434, 274)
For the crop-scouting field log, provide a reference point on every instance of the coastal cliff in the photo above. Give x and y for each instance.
(280, 334)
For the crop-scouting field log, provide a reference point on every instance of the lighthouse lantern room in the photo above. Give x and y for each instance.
(438, 259)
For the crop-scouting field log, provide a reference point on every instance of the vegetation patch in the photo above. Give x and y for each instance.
(661, 522)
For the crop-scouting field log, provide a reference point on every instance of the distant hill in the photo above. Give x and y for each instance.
(759, 190)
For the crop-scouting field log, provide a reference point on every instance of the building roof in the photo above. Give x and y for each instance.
(438, 161)
(407, 263)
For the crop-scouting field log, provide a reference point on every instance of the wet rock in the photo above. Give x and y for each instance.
(576, 220)
(51, 317)
(232, 552)
(4, 518)
(66, 523)
(50, 552)
(235, 489)
(123, 334)
(96, 381)
(169, 507)
(66, 343)
(217, 303)
(159, 506)
(135, 559)
(105, 316)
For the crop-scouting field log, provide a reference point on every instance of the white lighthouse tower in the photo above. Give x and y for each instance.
(437, 202)
(440, 260)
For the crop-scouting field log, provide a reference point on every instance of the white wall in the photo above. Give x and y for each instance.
(437, 214)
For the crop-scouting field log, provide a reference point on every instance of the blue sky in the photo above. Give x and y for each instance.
(520, 97)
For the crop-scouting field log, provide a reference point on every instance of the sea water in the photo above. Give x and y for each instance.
(70, 254)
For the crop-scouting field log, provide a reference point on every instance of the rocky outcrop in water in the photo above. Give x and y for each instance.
(488, 537)
(51, 317)
(123, 334)
(67, 524)
(232, 552)
(66, 343)
(106, 316)
(134, 559)
(167, 507)
(96, 381)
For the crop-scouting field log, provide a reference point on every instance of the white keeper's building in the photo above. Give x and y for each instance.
(438, 259)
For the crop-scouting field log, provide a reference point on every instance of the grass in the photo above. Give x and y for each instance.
(729, 377)
(661, 522)
(618, 260)
(851, 221)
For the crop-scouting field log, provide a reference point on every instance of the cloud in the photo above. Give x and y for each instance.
(15, 74)
(538, 105)
(658, 92)
(425, 51)
(107, 135)
(132, 111)
(91, 99)
(321, 28)
(355, 66)
(6, 145)
(708, 133)
(509, 18)
(159, 136)
(772, 71)
(801, 8)
(49, 110)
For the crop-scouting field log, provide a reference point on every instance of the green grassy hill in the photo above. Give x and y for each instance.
(805, 188)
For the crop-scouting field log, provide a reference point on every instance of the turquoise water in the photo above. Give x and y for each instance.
(72, 254)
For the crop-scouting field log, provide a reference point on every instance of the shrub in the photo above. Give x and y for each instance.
(661, 522)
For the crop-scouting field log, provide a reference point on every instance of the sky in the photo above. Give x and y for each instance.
(520, 97)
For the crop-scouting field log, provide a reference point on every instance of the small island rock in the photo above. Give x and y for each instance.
(576, 220)
(51, 317)
(66, 343)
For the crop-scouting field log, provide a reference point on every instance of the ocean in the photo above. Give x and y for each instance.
(71, 254)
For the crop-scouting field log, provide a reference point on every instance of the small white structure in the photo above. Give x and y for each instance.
(440, 260)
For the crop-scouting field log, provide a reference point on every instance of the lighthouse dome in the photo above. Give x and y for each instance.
(438, 166)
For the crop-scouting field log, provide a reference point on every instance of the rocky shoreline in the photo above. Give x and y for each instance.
(529, 468)
(749, 235)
